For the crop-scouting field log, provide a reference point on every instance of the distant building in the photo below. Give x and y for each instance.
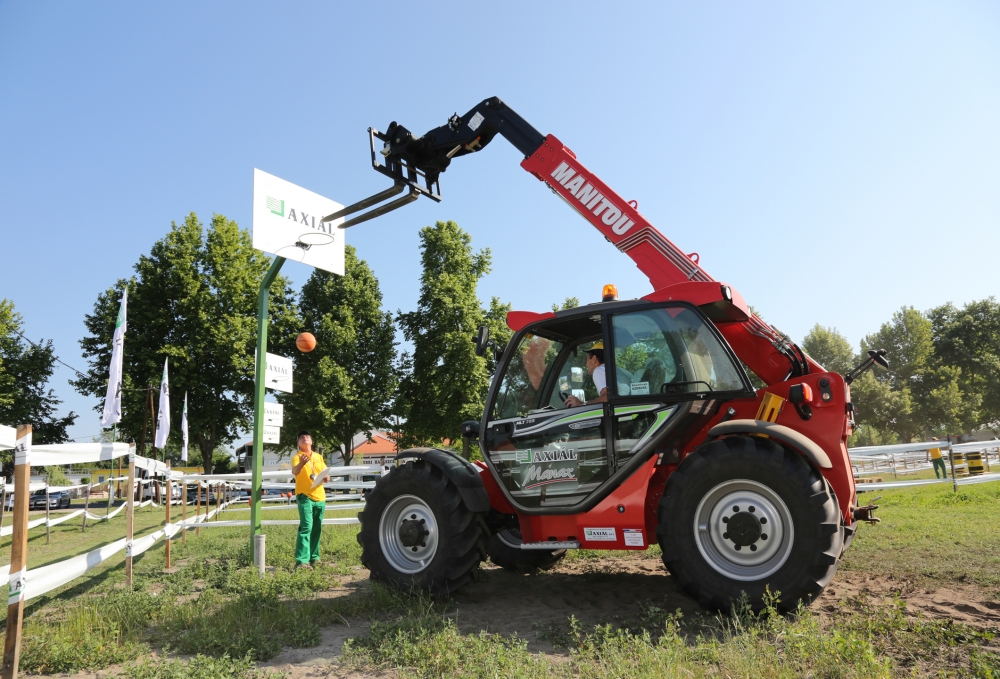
(381, 450)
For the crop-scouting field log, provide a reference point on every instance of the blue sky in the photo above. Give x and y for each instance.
(832, 161)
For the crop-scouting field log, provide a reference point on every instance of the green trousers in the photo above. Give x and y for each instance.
(939, 464)
(310, 529)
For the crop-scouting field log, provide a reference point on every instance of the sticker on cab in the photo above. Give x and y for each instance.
(633, 537)
(600, 535)
(639, 388)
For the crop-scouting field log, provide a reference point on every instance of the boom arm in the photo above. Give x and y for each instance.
(765, 350)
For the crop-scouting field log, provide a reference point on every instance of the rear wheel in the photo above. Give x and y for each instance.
(417, 533)
(505, 551)
(744, 514)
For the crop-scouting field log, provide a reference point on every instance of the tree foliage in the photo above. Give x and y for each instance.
(347, 383)
(193, 299)
(25, 371)
(829, 348)
(446, 382)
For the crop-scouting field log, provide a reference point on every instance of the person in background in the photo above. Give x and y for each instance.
(306, 467)
(938, 461)
(595, 366)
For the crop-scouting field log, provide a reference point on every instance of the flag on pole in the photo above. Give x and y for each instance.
(184, 429)
(163, 418)
(113, 399)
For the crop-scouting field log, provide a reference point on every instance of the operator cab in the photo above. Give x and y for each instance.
(658, 358)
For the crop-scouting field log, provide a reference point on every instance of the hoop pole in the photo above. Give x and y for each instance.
(258, 396)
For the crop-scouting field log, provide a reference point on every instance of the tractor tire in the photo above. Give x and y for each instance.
(505, 551)
(746, 515)
(416, 532)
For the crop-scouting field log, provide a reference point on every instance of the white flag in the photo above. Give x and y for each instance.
(163, 418)
(113, 399)
(184, 429)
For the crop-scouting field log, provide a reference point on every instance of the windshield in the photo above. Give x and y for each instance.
(670, 351)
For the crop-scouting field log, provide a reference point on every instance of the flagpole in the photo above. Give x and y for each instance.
(258, 396)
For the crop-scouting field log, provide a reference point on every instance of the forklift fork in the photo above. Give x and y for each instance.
(403, 176)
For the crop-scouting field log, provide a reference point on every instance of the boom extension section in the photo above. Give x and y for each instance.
(409, 158)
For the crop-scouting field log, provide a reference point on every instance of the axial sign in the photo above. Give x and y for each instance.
(274, 414)
(279, 373)
(287, 221)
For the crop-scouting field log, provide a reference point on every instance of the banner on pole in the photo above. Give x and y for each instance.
(272, 434)
(113, 398)
(163, 418)
(274, 414)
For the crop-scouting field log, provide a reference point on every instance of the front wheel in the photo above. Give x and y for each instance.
(745, 515)
(417, 533)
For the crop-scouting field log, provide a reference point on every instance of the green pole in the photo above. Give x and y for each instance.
(258, 396)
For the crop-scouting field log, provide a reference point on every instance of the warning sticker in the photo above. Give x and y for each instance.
(633, 537)
(476, 121)
(639, 388)
(600, 534)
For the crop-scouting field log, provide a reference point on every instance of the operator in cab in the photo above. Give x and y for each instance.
(595, 366)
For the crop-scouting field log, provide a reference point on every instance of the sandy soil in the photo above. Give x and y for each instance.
(599, 591)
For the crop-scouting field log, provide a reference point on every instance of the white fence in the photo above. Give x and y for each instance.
(903, 459)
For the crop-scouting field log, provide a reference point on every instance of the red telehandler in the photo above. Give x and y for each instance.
(623, 423)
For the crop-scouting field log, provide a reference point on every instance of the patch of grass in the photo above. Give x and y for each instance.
(932, 535)
(94, 633)
(198, 667)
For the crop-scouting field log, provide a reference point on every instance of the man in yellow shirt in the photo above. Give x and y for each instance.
(937, 461)
(306, 467)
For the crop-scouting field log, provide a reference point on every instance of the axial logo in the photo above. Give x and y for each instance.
(537, 476)
(553, 455)
(276, 206)
(592, 199)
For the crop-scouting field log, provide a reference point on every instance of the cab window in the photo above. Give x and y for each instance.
(670, 351)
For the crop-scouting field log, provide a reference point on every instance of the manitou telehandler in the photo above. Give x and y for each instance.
(742, 489)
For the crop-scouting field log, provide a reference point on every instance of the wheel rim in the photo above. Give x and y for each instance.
(743, 530)
(408, 534)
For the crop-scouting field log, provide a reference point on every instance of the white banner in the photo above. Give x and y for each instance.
(163, 418)
(184, 430)
(8, 437)
(113, 398)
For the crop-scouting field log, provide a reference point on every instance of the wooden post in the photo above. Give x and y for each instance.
(184, 511)
(129, 518)
(18, 554)
(110, 495)
(197, 506)
(951, 458)
(170, 498)
(86, 507)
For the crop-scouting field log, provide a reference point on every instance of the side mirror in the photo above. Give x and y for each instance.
(498, 352)
(482, 339)
(879, 357)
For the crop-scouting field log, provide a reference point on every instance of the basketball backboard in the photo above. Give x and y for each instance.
(287, 221)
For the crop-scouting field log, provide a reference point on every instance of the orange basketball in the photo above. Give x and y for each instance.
(305, 342)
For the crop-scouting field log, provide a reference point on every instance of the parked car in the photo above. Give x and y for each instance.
(58, 499)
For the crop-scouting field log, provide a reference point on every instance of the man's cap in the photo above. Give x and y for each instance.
(598, 345)
(303, 433)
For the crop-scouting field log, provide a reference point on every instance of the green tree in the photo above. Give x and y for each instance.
(446, 382)
(926, 394)
(829, 348)
(347, 383)
(25, 371)
(192, 299)
(969, 339)
(568, 303)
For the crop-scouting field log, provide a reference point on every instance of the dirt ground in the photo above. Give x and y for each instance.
(603, 590)
(600, 591)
